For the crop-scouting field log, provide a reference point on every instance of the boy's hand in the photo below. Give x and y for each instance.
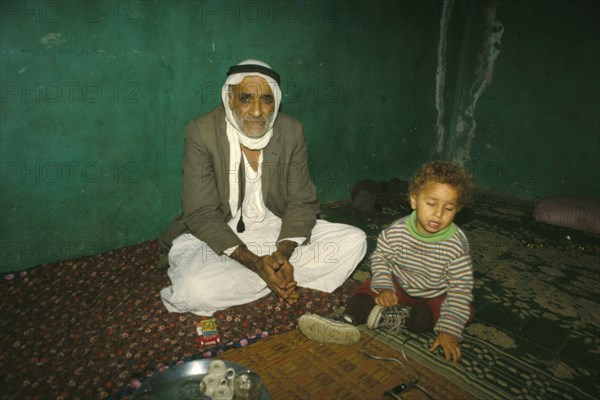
(450, 346)
(387, 298)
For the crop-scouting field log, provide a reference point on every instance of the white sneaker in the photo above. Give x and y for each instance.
(328, 330)
(387, 317)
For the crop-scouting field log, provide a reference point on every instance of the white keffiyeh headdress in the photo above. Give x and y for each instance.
(234, 134)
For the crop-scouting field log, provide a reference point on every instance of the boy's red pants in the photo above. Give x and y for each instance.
(434, 304)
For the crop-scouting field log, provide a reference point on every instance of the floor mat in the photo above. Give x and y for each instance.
(295, 368)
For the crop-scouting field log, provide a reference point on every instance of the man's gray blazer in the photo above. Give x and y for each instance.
(287, 188)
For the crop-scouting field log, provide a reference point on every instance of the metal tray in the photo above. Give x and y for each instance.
(173, 384)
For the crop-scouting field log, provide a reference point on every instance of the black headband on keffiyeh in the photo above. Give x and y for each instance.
(246, 68)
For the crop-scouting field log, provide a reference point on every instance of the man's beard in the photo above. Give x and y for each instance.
(265, 123)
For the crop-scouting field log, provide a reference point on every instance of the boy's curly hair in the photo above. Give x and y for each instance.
(443, 172)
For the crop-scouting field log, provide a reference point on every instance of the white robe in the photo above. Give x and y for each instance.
(203, 282)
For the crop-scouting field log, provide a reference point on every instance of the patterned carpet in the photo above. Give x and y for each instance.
(537, 328)
(95, 327)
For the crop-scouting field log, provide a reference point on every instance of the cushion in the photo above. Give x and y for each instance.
(582, 213)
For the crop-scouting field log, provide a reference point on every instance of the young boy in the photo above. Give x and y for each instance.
(421, 270)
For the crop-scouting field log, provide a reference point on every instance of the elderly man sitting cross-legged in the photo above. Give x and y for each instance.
(249, 223)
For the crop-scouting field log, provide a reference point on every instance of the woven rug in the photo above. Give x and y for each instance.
(95, 327)
(537, 329)
(295, 368)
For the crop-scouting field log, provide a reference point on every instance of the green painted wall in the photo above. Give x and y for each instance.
(538, 123)
(95, 97)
